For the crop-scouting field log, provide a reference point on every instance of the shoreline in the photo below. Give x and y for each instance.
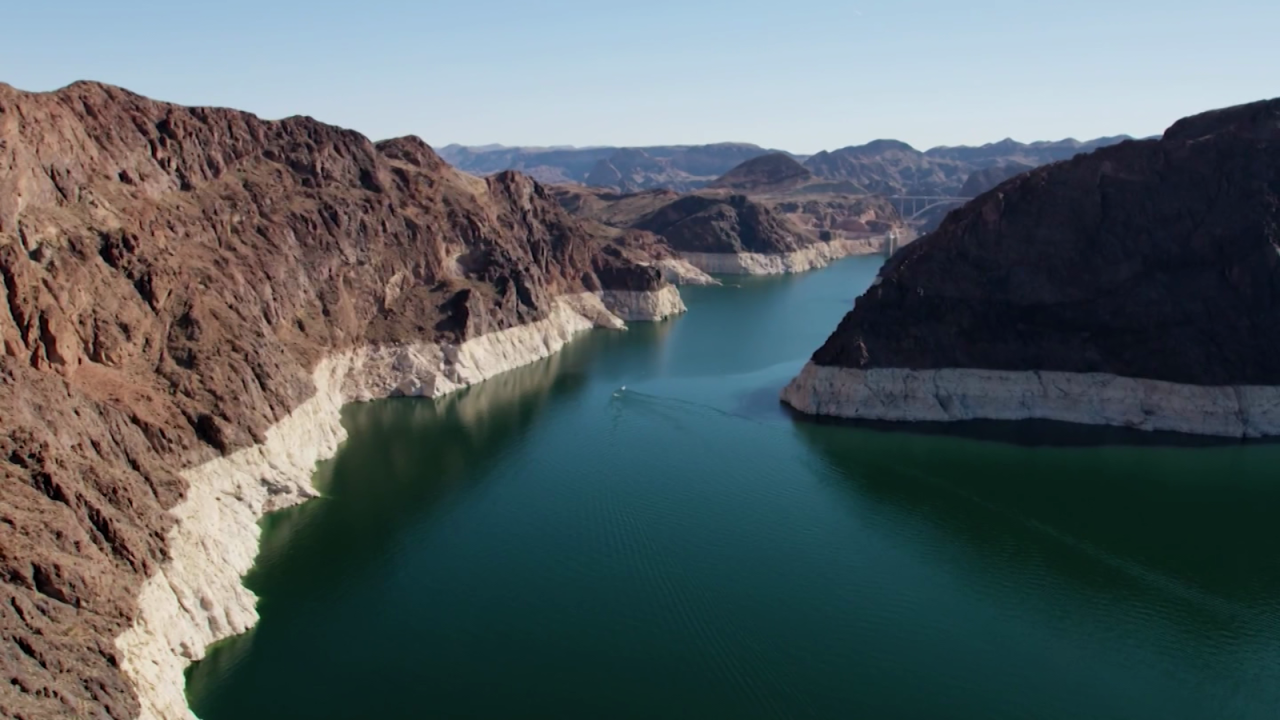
(197, 597)
(959, 394)
(813, 257)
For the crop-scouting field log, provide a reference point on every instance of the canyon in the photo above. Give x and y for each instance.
(194, 293)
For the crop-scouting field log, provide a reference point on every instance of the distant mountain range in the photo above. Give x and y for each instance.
(674, 167)
(889, 167)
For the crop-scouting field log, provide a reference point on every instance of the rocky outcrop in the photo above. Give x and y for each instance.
(733, 224)
(1138, 285)
(740, 236)
(636, 291)
(609, 216)
(715, 231)
(191, 294)
(644, 249)
(772, 172)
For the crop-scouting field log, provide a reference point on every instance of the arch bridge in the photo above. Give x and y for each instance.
(920, 204)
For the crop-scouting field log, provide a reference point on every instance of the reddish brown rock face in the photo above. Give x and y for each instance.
(1154, 259)
(171, 276)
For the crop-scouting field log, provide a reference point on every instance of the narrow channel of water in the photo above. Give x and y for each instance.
(546, 545)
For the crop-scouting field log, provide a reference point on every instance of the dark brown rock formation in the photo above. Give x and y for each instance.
(776, 171)
(172, 275)
(618, 271)
(1152, 259)
(733, 224)
(722, 221)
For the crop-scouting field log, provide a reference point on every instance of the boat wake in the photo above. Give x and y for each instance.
(678, 412)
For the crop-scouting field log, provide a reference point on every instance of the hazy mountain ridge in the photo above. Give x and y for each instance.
(891, 167)
(628, 169)
(883, 166)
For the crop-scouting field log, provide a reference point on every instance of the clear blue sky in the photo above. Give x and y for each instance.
(802, 75)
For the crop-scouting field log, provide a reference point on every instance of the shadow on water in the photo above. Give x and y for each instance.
(1160, 559)
(1193, 523)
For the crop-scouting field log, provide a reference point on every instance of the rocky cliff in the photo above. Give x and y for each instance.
(191, 293)
(1138, 285)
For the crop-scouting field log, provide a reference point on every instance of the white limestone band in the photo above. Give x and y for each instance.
(638, 305)
(681, 272)
(956, 394)
(810, 258)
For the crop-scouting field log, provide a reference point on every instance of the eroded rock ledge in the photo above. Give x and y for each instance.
(1138, 285)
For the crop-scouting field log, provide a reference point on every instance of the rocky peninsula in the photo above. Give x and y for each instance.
(767, 216)
(192, 294)
(1136, 286)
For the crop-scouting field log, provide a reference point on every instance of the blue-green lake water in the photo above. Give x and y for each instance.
(546, 545)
